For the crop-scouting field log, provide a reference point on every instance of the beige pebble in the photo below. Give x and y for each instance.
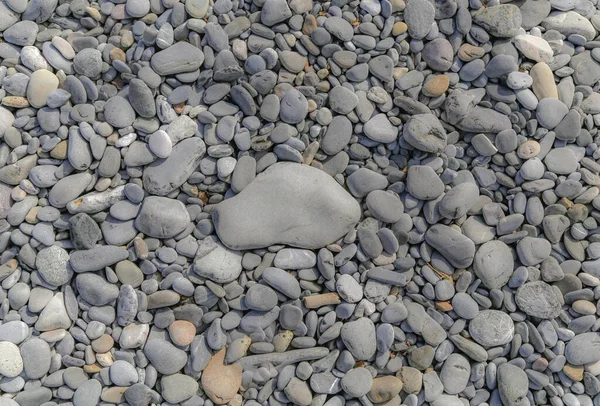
(399, 27)
(42, 82)
(282, 340)
(399, 72)
(92, 369)
(385, 259)
(574, 372)
(584, 307)
(412, 379)
(114, 394)
(54, 335)
(103, 343)
(528, 149)
(117, 54)
(15, 101)
(543, 81)
(384, 389)
(31, 216)
(398, 5)
(105, 359)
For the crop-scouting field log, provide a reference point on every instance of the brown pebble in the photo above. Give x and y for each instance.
(412, 379)
(384, 389)
(325, 299)
(443, 306)
(468, 52)
(221, 382)
(310, 23)
(117, 54)
(103, 343)
(540, 364)
(59, 151)
(436, 86)
(182, 332)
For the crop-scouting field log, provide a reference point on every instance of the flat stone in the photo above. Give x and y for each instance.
(359, 338)
(163, 176)
(218, 263)
(164, 356)
(178, 58)
(425, 133)
(264, 213)
(493, 264)
(492, 328)
(455, 247)
(503, 20)
(538, 299)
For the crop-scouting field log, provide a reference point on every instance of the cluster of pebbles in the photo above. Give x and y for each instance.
(317, 203)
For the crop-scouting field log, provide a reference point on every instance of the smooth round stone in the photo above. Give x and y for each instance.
(260, 297)
(419, 16)
(359, 338)
(493, 264)
(349, 289)
(52, 264)
(137, 8)
(438, 54)
(465, 306)
(122, 373)
(455, 373)
(118, 112)
(492, 328)
(160, 144)
(550, 112)
(36, 358)
(357, 382)
(384, 206)
(182, 332)
(88, 393)
(583, 349)
(41, 84)
(14, 331)
(294, 107)
(96, 290)
(380, 129)
(532, 169)
(561, 161)
(178, 388)
(88, 62)
(11, 363)
(164, 356)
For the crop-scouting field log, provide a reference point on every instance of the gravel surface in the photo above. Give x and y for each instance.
(317, 203)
